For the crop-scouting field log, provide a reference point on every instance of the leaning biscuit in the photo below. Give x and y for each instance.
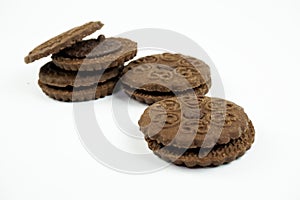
(66, 39)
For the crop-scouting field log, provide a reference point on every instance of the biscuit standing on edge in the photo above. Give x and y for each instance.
(178, 129)
(82, 70)
(156, 77)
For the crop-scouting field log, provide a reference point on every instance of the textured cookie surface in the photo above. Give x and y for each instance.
(166, 73)
(55, 76)
(191, 122)
(62, 41)
(90, 48)
(70, 94)
(218, 155)
(90, 55)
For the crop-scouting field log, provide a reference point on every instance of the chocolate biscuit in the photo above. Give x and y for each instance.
(66, 39)
(90, 55)
(52, 75)
(218, 155)
(83, 93)
(184, 126)
(152, 97)
(77, 85)
(160, 76)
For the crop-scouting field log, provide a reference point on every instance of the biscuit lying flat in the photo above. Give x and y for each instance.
(77, 86)
(96, 54)
(200, 131)
(156, 77)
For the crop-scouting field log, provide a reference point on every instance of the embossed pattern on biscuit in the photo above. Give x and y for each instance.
(210, 131)
(166, 73)
(222, 125)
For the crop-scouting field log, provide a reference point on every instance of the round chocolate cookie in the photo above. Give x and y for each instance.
(62, 41)
(52, 75)
(156, 77)
(96, 54)
(218, 155)
(84, 93)
(197, 131)
(77, 86)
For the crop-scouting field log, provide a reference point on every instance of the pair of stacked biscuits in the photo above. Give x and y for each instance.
(82, 70)
(181, 125)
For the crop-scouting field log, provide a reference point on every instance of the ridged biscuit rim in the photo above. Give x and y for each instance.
(217, 156)
(102, 90)
(51, 75)
(150, 99)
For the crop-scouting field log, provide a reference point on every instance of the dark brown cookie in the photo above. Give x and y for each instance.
(190, 122)
(90, 55)
(71, 94)
(62, 41)
(218, 155)
(165, 74)
(52, 75)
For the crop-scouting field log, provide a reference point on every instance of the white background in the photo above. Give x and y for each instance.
(255, 47)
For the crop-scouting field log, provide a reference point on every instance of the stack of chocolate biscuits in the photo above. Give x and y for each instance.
(181, 125)
(82, 70)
